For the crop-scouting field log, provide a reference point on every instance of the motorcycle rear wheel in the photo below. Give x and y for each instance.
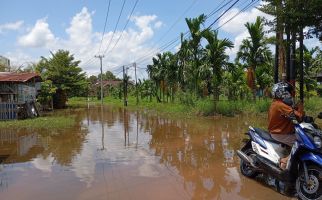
(313, 190)
(246, 169)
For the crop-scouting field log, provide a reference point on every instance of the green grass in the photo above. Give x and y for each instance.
(313, 106)
(50, 122)
(202, 107)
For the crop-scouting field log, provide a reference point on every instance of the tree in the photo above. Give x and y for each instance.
(196, 36)
(234, 80)
(217, 58)
(66, 76)
(183, 57)
(108, 75)
(254, 51)
(47, 91)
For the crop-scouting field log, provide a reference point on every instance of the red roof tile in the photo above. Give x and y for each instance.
(18, 77)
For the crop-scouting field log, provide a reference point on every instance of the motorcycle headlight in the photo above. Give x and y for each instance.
(317, 142)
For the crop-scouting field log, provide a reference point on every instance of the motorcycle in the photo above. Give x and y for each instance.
(303, 174)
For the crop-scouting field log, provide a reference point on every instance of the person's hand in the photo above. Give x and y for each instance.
(299, 106)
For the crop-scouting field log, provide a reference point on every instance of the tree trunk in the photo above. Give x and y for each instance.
(301, 65)
(280, 40)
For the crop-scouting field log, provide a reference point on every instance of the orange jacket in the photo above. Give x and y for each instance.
(278, 121)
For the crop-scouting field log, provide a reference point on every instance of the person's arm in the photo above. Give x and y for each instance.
(299, 111)
(287, 110)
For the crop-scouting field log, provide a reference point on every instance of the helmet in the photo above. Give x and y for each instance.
(282, 90)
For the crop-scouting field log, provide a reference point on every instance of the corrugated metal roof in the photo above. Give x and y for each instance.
(18, 77)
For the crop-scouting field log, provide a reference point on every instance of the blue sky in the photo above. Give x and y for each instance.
(33, 28)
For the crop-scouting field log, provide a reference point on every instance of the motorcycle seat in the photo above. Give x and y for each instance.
(265, 135)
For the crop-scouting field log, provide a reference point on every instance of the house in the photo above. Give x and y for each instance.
(107, 85)
(4, 62)
(18, 92)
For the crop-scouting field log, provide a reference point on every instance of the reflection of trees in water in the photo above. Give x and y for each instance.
(22, 145)
(192, 148)
(65, 146)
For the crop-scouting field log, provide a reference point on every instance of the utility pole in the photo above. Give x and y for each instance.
(136, 86)
(101, 57)
(124, 87)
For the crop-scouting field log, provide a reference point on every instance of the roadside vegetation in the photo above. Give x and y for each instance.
(200, 78)
(47, 122)
(203, 107)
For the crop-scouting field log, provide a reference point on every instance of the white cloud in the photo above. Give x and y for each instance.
(158, 24)
(11, 26)
(80, 30)
(18, 58)
(84, 43)
(312, 43)
(237, 42)
(39, 36)
(237, 25)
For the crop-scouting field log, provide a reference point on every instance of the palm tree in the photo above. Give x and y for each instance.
(171, 72)
(254, 50)
(216, 57)
(183, 57)
(196, 35)
(155, 75)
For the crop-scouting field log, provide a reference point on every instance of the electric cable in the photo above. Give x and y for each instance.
(118, 20)
(246, 7)
(124, 27)
(107, 13)
(184, 34)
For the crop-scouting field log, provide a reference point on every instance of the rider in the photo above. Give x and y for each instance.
(279, 124)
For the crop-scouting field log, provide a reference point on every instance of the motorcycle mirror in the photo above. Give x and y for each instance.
(320, 115)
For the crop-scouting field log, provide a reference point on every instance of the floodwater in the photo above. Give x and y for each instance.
(114, 153)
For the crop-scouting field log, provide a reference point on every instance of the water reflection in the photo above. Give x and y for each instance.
(115, 153)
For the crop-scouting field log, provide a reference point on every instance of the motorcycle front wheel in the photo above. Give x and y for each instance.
(246, 169)
(312, 189)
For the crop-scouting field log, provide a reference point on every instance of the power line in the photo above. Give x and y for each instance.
(222, 14)
(140, 60)
(177, 21)
(118, 20)
(124, 26)
(107, 12)
(245, 8)
(106, 17)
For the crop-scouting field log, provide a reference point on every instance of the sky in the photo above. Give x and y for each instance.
(34, 28)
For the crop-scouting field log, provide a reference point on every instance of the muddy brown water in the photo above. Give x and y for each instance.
(114, 153)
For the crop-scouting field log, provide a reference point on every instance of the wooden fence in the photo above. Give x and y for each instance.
(8, 111)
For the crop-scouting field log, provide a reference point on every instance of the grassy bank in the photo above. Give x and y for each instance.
(50, 122)
(204, 107)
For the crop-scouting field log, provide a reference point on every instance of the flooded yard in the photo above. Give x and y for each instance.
(113, 153)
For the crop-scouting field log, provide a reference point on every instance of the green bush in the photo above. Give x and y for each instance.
(319, 90)
(186, 98)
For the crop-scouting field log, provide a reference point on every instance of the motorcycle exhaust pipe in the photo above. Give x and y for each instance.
(246, 158)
